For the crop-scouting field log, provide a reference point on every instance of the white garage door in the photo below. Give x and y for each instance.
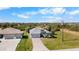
(35, 35)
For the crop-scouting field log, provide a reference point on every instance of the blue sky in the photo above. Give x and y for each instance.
(39, 14)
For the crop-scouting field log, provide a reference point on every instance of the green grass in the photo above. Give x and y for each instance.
(70, 41)
(25, 44)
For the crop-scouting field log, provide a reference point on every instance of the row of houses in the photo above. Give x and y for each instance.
(10, 33)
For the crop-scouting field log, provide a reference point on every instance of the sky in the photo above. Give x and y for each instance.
(39, 14)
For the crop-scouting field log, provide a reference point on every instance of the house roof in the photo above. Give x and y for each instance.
(38, 30)
(35, 30)
(10, 31)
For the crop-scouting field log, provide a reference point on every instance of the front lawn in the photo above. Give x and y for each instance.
(25, 44)
(70, 41)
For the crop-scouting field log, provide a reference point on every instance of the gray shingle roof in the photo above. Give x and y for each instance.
(38, 30)
(10, 31)
(35, 31)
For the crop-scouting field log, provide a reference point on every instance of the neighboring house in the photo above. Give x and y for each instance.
(10, 33)
(35, 33)
(39, 32)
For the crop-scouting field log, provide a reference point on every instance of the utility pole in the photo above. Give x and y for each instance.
(62, 33)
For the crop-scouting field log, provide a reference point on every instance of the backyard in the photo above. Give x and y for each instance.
(25, 44)
(70, 41)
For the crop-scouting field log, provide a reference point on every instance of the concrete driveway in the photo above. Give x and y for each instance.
(9, 44)
(38, 45)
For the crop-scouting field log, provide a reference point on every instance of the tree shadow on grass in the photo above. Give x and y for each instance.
(54, 37)
(55, 34)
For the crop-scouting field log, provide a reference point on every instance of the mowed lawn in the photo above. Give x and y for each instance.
(70, 41)
(25, 44)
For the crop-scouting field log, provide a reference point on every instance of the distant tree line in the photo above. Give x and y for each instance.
(48, 26)
(72, 27)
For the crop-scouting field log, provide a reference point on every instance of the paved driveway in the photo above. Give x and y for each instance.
(9, 44)
(38, 45)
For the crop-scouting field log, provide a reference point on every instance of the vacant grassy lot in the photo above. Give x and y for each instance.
(70, 41)
(25, 43)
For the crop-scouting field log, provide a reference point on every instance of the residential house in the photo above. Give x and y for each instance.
(39, 32)
(10, 33)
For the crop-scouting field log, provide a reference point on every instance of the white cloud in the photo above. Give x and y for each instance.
(44, 11)
(58, 10)
(41, 11)
(55, 19)
(52, 10)
(23, 16)
(3, 8)
(51, 19)
(74, 12)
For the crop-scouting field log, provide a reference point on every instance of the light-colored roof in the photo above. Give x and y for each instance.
(10, 31)
(38, 30)
(35, 31)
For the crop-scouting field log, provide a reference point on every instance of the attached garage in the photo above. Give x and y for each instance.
(8, 36)
(11, 33)
(12, 36)
(39, 32)
(35, 33)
